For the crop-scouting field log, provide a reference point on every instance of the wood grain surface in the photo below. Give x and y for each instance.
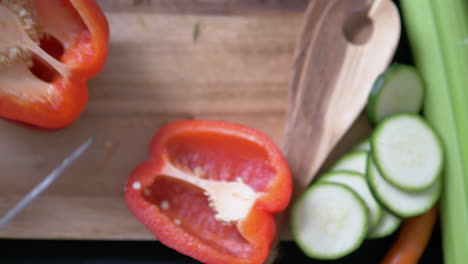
(210, 7)
(237, 70)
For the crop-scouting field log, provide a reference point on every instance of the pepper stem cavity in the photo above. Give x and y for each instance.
(20, 34)
(232, 201)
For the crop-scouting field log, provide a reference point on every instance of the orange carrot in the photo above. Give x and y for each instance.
(413, 238)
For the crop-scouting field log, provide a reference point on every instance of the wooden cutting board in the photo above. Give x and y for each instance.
(237, 69)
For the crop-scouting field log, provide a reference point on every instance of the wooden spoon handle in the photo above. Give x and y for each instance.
(331, 81)
(314, 15)
(319, 56)
(332, 78)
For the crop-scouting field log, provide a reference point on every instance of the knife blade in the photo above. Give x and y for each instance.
(45, 183)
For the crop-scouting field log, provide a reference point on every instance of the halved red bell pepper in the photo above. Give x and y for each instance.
(247, 176)
(48, 50)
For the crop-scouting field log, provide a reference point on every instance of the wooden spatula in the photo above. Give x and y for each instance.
(344, 46)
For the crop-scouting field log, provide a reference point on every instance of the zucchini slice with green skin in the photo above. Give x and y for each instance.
(357, 183)
(407, 152)
(399, 202)
(353, 161)
(363, 145)
(329, 221)
(399, 89)
(387, 225)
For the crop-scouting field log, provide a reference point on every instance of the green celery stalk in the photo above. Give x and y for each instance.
(438, 34)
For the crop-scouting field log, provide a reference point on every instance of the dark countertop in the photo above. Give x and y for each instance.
(145, 252)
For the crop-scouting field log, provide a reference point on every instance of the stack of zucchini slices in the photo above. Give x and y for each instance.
(392, 175)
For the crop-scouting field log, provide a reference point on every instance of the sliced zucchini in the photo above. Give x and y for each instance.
(407, 152)
(328, 221)
(398, 202)
(363, 145)
(387, 225)
(353, 161)
(400, 89)
(357, 182)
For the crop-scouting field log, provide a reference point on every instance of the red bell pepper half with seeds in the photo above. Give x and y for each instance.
(209, 190)
(48, 50)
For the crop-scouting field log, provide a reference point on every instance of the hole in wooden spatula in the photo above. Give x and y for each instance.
(358, 27)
